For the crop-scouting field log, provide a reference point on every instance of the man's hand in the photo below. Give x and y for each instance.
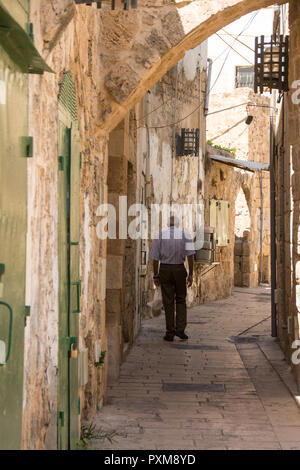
(190, 281)
(155, 272)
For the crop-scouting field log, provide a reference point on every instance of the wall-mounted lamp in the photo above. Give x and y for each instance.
(249, 119)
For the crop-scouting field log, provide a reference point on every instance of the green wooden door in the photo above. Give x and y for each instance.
(69, 282)
(13, 225)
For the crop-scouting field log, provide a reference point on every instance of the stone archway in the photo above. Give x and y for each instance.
(136, 48)
(140, 46)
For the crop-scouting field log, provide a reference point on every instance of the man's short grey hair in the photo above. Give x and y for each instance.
(173, 221)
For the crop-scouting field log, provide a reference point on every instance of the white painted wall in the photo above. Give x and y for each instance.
(217, 49)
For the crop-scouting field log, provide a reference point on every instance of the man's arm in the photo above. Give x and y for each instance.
(155, 256)
(155, 272)
(191, 270)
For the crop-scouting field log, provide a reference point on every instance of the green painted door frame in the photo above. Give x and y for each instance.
(18, 57)
(69, 282)
(13, 227)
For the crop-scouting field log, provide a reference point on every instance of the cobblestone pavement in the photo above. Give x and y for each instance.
(214, 391)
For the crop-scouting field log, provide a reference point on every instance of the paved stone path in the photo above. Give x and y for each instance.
(210, 392)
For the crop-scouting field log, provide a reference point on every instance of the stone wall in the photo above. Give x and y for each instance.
(228, 129)
(122, 305)
(287, 157)
(72, 49)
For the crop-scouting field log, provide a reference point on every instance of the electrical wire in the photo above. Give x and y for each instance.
(165, 102)
(22, 6)
(228, 130)
(234, 50)
(174, 123)
(241, 42)
(227, 109)
(229, 50)
(235, 39)
(202, 101)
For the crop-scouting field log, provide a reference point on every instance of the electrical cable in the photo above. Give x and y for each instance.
(196, 109)
(227, 109)
(228, 130)
(244, 29)
(164, 102)
(241, 42)
(22, 6)
(234, 50)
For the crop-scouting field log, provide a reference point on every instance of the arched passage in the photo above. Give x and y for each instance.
(152, 40)
(242, 229)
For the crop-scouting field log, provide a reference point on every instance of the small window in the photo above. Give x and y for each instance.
(244, 77)
(188, 142)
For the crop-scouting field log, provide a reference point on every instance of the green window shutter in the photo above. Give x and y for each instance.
(67, 97)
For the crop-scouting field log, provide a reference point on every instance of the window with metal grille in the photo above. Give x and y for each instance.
(271, 64)
(244, 77)
(187, 143)
(107, 3)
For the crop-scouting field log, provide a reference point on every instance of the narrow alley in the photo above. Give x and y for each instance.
(149, 164)
(227, 387)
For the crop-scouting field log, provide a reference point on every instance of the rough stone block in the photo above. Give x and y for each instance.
(117, 174)
(114, 272)
(246, 280)
(116, 247)
(114, 340)
(246, 264)
(113, 305)
(116, 143)
(238, 251)
(246, 249)
(121, 81)
(238, 279)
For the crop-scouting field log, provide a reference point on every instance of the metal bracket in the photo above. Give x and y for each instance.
(2, 269)
(61, 163)
(78, 285)
(27, 146)
(10, 330)
(27, 313)
(61, 418)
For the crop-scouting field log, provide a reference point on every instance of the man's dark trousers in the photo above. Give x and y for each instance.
(173, 287)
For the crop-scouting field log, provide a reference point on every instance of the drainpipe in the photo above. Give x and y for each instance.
(148, 182)
(174, 136)
(199, 126)
(273, 227)
(206, 107)
(282, 212)
(261, 226)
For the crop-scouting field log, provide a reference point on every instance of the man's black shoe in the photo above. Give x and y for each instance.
(182, 335)
(168, 337)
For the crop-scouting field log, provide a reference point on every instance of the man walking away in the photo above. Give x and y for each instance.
(170, 249)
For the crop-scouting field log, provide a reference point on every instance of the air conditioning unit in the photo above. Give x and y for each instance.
(207, 254)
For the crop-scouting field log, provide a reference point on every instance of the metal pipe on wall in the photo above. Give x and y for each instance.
(282, 213)
(199, 126)
(206, 107)
(148, 182)
(261, 227)
(273, 229)
(174, 135)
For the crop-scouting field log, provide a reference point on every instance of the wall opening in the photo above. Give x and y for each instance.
(242, 228)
